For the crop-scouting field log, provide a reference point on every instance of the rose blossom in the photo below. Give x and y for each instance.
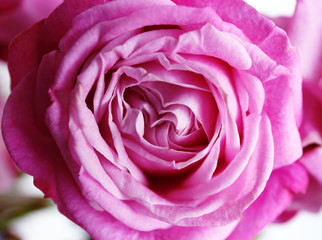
(17, 15)
(157, 119)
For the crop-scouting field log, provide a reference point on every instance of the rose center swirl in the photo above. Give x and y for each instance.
(167, 125)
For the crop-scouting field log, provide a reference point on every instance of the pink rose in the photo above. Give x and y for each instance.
(305, 31)
(17, 15)
(157, 119)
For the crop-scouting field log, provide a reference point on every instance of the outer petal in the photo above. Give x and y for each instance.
(277, 195)
(288, 147)
(305, 32)
(312, 161)
(17, 63)
(101, 225)
(26, 143)
(312, 199)
(7, 167)
(311, 128)
(42, 38)
(16, 16)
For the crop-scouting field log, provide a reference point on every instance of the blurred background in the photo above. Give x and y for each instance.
(26, 215)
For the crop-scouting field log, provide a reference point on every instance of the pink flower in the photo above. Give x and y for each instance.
(158, 119)
(305, 31)
(17, 15)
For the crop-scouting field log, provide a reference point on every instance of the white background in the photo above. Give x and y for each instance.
(49, 224)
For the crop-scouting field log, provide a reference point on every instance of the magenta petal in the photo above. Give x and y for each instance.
(17, 67)
(18, 15)
(311, 128)
(105, 12)
(311, 200)
(8, 171)
(99, 224)
(277, 195)
(37, 144)
(312, 161)
(200, 233)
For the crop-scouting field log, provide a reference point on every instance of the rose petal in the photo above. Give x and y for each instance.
(305, 32)
(312, 161)
(277, 195)
(202, 42)
(286, 137)
(117, 208)
(32, 140)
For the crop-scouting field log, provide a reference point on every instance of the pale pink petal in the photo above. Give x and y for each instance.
(202, 42)
(304, 30)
